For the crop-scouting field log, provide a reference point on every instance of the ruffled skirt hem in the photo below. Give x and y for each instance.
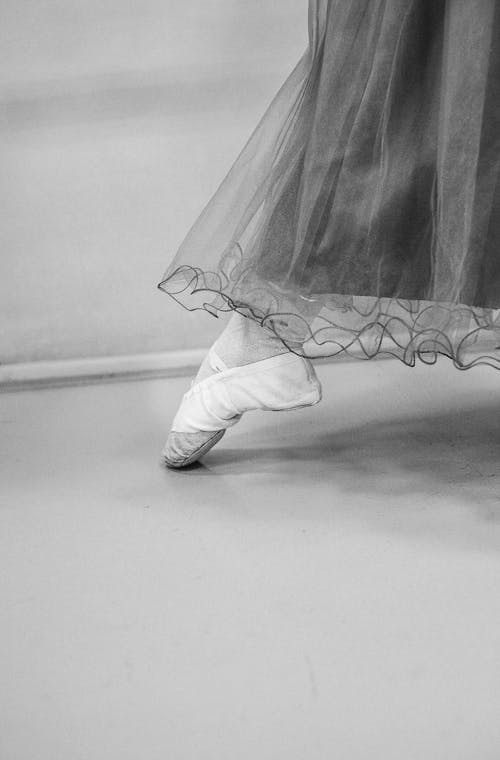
(358, 327)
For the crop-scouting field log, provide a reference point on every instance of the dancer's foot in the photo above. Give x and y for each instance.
(268, 377)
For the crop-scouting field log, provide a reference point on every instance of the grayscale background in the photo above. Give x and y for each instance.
(118, 119)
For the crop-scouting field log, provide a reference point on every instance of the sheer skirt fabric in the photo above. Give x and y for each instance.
(363, 215)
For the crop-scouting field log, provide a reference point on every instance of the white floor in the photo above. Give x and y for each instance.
(326, 585)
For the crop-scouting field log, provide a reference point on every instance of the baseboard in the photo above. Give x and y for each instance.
(65, 372)
(45, 374)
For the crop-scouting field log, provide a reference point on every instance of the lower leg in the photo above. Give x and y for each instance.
(243, 341)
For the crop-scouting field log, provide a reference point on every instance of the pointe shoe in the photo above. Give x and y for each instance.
(210, 407)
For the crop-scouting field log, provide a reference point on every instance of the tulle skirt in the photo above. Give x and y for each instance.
(363, 215)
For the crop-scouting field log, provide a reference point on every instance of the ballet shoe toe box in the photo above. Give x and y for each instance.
(183, 449)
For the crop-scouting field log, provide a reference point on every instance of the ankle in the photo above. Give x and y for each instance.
(244, 341)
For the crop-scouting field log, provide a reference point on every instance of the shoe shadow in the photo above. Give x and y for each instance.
(432, 476)
(456, 451)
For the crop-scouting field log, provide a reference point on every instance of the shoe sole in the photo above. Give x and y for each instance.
(197, 454)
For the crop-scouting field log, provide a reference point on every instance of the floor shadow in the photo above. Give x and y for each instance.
(455, 451)
(434, 477)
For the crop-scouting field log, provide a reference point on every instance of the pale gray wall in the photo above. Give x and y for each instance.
(118, 119)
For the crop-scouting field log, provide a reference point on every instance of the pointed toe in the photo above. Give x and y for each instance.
(183, 449)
